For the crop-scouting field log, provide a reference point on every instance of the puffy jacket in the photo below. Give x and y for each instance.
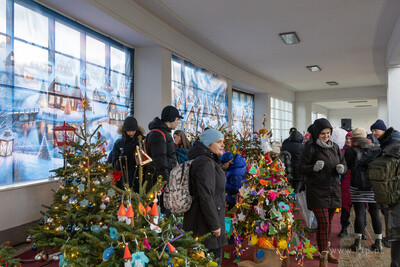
(162, 152)
(390, 136)
(234, 177)
(207, 181)
(294, 146)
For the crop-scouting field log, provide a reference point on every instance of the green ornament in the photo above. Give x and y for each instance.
(272, 230)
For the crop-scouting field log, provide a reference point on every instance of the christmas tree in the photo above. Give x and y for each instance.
(7, 255)
(44, 152)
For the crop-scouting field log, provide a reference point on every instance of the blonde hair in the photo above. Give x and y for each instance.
(184, 140)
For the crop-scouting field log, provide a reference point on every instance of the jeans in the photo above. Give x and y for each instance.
(217, 254)
(359, 224)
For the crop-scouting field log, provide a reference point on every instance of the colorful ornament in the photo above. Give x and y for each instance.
(121, 213)
(146, 243)
(139, 259)
(113, 233)
(105, 199)
(108, 253)
(142, 210)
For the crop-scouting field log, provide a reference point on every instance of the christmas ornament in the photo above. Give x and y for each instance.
(121, 213)
(146, 243)
(64, 197)
(73, 201)
(105, 199)
(69, 179)
(86, 228)
(60, 228)
(108, 253)
(103, 206)
(78, 179)
(111, 192)
(127, 257)
(74, 183)
(81, 188)
(154, 214)
(84, 203)
(171, 248)
(34, 247)
(142, 210)
(38, 257)
(129, 216)
(77, 228)
(83, 179)
(49, 220)
(29, 239)
(97, 182)
(155, 228)
(68, 228)
(95, 228)
(113, 233)
(139, 259)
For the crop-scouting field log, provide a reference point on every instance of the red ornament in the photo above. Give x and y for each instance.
(116, 176)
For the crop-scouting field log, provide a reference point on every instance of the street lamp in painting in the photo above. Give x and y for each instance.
(6, 144)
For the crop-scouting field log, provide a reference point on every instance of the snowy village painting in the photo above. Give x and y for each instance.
(41, 87)
(242, 112)
(199, 95)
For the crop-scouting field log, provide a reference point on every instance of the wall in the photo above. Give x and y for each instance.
(393, 96)
(360, 117)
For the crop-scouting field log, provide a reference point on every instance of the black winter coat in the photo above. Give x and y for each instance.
(390, 136)
(322, 187)
(162, 152)
(294, 146)
(207, 212)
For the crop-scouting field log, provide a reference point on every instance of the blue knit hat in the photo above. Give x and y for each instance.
(380, 125)
(210, 136)
(227, 156)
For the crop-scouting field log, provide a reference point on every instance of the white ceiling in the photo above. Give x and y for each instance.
(359, 104)
(347, 39)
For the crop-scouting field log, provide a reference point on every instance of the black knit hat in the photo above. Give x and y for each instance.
(170, 113)
(380, 125)
(319, 125)
(130, 124)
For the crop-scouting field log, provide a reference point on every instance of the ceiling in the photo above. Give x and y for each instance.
(347, 39)
(359, 104)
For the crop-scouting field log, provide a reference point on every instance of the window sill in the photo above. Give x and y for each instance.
(20, 185)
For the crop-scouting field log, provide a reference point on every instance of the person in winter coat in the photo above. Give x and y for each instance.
(359, 195)
(345, 190)
(234, 177)
(294, 146)
(384, 135)
(206, 215)
(322, 162)
(125, 148)
(160, 144)
(182, 146)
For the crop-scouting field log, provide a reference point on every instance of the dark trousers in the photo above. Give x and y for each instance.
(344, 219)
(217, 254)
(395, 253)
(359, 224)
(324, 219)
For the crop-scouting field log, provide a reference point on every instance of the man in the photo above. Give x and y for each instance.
(160, 144)
(387, 136)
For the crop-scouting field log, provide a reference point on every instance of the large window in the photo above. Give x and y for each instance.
(242, 112)
(281, 118)
(48, 64)
(200, 95)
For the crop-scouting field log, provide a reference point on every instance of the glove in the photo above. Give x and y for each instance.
(318, 165)
(340, 168)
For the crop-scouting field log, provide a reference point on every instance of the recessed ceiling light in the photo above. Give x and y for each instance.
(357, 101)
(289, 38)
(332, 83)
(314, 68)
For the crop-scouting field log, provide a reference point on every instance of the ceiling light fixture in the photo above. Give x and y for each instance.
(332, 83)
(363, 106)
(314, 68)
(289, 38)
(358, 101)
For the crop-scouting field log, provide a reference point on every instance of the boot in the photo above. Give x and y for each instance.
(332, 258)
(378, 246)
(357, 245)
(343, 233)
(323, 259)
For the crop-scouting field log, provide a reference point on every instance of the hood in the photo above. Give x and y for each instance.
(199, 149)
(319, 125)
(296, 137)
(238, 162)
(158, 124)
(392, 150)
(139, 132)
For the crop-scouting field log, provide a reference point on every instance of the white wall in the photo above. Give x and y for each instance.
(393, 96)
(360, 117)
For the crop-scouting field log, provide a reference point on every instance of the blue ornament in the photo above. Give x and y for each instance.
(108, 253)
(34, 247)
(41, 222)
(69, 179)
(62, 262)
(139, 259)
(86, 228)
(260, 254)
(78, 179)
(113, 233)
(96, 228)
(69, 228)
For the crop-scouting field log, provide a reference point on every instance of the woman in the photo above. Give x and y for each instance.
(206, 215)
(345, 189)
(322, 162)
(361, 192)
(182, 146)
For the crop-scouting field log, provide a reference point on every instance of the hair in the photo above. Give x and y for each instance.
(184, 140)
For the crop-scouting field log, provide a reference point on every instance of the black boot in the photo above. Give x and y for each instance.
(343, 233)
(378, 246)
(386, 242)
(357, 245)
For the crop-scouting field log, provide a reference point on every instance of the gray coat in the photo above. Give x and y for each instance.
(207, 212)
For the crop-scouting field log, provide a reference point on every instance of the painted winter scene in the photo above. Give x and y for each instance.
(242, 112)
(199, 95)
(31, 109)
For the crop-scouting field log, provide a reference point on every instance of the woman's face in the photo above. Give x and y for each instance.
(177, 139)
(217, 147)
(348, 141)
(324, 135)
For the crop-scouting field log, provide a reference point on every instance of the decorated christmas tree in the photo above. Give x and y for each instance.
(7, 255)
(263, 212)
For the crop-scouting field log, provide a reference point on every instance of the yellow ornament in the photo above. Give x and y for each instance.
(253, 240)
(212, 264)
(282, 244)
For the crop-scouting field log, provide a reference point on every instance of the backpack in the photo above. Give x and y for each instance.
(176, 196)
(384, 174)
(359, 174)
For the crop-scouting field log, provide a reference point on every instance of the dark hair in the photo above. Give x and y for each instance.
(184, 140)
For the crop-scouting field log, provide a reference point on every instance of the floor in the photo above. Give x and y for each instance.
(340, 246)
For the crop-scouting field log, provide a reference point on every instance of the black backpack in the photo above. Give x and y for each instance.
(359, 173)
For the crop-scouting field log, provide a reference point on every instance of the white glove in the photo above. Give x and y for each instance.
(340, 168)
(318, 165)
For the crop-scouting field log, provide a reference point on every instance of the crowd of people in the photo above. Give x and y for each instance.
(330, 176)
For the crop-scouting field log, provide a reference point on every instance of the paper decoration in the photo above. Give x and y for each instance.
(154, 210)
(142, 210)
(113, 233)
(84, 203)
(171, 248)
(260, 254)
(108, 253)
(81, 188)
(95, 228)
(139, 259)
(241, 216)
(127, 253)
(146, 244)
(111, 192)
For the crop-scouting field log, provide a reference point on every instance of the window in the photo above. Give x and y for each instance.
(242, 112)
(281, 118)
(48, 64)
(200, 95)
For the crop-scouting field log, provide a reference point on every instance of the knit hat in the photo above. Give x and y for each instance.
(227, 156)
(319, 126)
(130, 124)
(380, 125)
(359, 133)
(210, 136)
(170, 113)
(350, 134)
(276, 147)
(292, 130)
